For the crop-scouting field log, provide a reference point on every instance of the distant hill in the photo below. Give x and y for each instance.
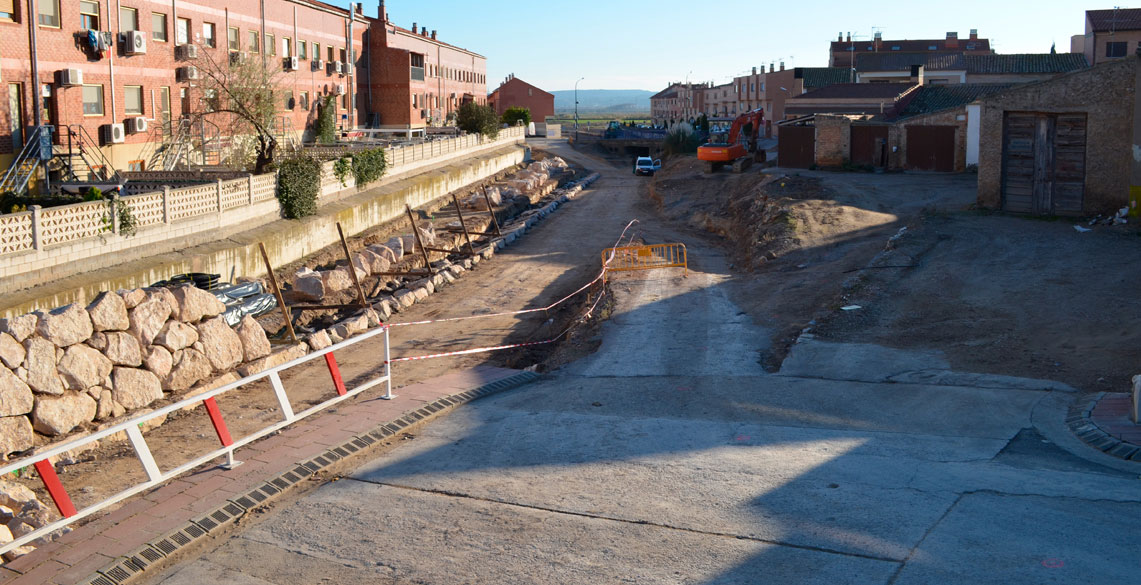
(634, 101)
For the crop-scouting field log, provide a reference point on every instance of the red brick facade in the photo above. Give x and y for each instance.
(518, 93)
(308, 29)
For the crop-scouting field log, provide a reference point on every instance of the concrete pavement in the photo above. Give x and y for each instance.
(669, 456)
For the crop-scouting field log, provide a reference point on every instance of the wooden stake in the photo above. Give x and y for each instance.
(491, 212)
(277, 293)
(416, 233)
(352, 267)
(463, 224)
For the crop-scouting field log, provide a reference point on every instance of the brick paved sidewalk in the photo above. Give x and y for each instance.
(146, 527)
(1103, 422)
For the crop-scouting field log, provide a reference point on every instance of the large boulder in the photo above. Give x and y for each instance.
(15, 434)
(165, 295)
(319, 340)
(195, 304)
(148, 318)
(19, 327)
(309, 287)
(98, 340)
(65, 326)
(255, 344)
(159, 361)
(40, 364)
(123, 349)
(377, 263)
(106, 406)
(176, 335)
(15, 396)
(57, 415)
(108, 312)
(220, 343)
(337, 279)
(83, 367)
(384, 252)
(396, 244)
(24, 504)
(190, 367)
(135, 388)
(11, 352)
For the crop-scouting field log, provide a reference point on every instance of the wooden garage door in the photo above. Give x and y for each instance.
(867, 145)
(1043, 163)
(796, 147)
(931, 148)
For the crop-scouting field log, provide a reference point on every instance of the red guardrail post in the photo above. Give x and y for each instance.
(219, 423)
(335, 372)
(55, 488)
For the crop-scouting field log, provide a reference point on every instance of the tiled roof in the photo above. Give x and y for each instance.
(1111, 20)
(1025, 63)
(906, 46)
(935, 98)
(667, 93)
(815, 77)
(876, 91)
(905, 61)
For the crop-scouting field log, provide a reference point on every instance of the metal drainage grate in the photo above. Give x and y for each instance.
(246, 502)
(207, 523)
(194, 530)
(363, 441)
(302, 471)
(98, 579)
(349, 447)
(116, 571)
(341, 451)
(165, 546)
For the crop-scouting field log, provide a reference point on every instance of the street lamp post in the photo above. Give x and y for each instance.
(576, 108)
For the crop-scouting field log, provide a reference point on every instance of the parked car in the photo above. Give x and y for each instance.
(646, 166)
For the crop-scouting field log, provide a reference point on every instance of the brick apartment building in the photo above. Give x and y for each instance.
(399, 80)
(515, 92)
(1110, 34)
(678, 102)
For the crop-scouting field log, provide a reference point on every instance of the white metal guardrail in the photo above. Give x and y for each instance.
(155, 475)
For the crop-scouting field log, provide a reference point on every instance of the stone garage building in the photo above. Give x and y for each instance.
(1064, 146)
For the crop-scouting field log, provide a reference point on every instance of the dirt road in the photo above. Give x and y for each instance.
(671, 456)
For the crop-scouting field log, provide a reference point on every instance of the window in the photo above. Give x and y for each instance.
(89, 15)
(254, 46)
(210, 97)
(288, 100)
(270, 45)
(317, 51)
(133, 100)
(233, 37)
(182, 31)
(49, 13)
(302, 52)
(164, 109)
(135, 165)
(8, 10)
(158, 27)
(209, 36)
(305, 100)
(93, 100)
(1117, 49)
(330, 52)
(344, 58)
(46, 102)
(286, 47)
(128, 19)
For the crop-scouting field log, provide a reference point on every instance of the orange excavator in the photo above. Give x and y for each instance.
(738, 147)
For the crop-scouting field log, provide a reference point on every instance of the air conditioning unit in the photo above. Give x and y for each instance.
(348, 69)
(238, 58)
(114, 133)
(188, 73)
(137, 125)
(339, 67)
(340, 89)
(187, 52)
(70, 77)
(292, 63)
(318, 64)
(135, 42)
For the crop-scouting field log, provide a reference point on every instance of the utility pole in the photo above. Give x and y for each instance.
(576, 108)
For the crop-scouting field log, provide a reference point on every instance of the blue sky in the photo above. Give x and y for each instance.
(619, 44)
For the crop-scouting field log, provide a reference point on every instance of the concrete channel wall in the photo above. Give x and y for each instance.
(234, 252)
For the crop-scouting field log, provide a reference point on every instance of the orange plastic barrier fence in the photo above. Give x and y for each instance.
(645, 257)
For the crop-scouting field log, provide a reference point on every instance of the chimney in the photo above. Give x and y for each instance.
(772, 68)
(433, 34)
(839, 37)
(782, 65)
(754, 70)
(879, 40)
(383, 14)
(952, 40)
(360, 8)
(414, 28)
(917, 74)
(974, 34)
(849, 37)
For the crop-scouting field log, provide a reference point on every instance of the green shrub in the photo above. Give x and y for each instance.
(298, 186)
(475, 118)
(93, 194)
(368, 166)
(342, 167)
(515, 114)
(681, 140)
(327, 121)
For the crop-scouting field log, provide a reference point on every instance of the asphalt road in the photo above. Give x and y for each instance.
(670, 456)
